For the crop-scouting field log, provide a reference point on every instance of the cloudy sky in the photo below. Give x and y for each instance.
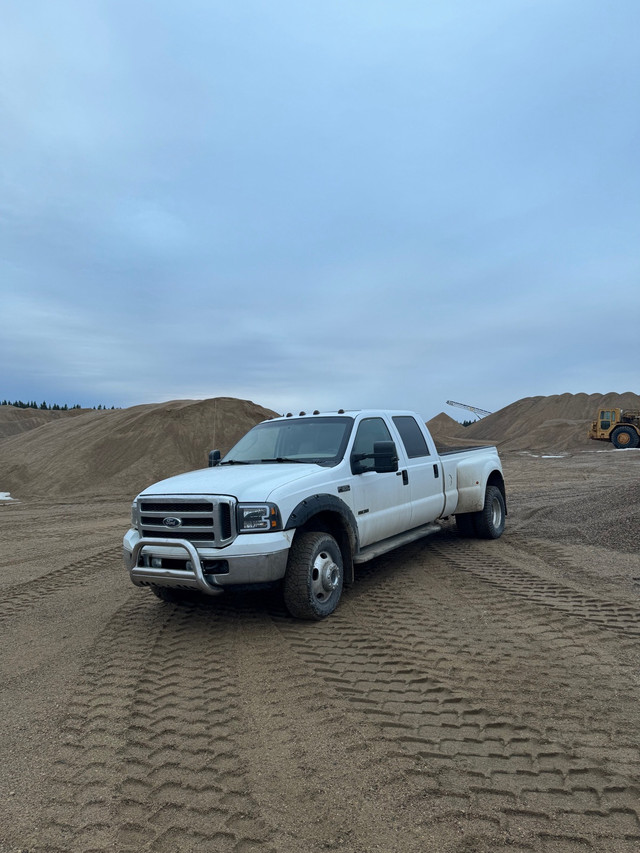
(344, 203)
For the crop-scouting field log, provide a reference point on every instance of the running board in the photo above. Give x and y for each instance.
(379, 548)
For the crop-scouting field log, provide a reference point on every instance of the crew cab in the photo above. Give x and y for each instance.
(302, 500)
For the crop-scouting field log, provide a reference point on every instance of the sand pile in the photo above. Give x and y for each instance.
(119, 452)
(554, 424)
(14, 421)
(449, 434)
(443, 425)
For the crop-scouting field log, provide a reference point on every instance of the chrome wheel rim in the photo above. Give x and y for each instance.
(325, 576)
(496, 513)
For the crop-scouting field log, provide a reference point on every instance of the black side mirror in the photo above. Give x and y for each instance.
(356, 463)
(214, 458)
(385, 457)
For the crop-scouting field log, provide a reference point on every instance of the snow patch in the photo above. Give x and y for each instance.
(545, 455)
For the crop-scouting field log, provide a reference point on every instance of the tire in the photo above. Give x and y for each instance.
(489, 522)
(465, 522)
(625, 436)
(172, 595)
(314, 577)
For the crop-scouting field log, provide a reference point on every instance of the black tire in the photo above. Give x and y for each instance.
(465, 522)
(625, 436)
(489, 522)
(315, 575)
(172, 595)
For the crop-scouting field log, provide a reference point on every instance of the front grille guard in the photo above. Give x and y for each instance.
(171, 577)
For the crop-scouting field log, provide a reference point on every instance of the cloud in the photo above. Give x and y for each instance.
(347, 205)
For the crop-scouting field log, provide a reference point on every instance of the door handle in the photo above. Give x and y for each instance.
(405, 477)
(436, 471)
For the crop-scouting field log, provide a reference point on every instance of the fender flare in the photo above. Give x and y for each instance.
(316, 504)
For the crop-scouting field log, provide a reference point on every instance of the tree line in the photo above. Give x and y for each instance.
(44, 406)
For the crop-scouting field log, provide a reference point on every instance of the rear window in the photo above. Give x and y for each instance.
(412, 437)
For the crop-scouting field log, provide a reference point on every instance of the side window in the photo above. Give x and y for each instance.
(414, 441)
(369, 431)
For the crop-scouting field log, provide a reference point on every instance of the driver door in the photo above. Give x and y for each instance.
(382, 502)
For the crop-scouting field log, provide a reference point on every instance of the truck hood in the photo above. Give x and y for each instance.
(244, 482)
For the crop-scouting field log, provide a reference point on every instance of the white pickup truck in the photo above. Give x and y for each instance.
(302, 500)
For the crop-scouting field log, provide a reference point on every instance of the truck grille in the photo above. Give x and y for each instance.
(171, 506)
(206, 521)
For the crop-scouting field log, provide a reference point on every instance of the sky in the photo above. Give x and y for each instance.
(339, 204)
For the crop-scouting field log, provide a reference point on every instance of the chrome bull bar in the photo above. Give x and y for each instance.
(193, 578)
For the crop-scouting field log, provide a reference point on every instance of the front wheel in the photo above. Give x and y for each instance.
(314, 577)
(489, 522)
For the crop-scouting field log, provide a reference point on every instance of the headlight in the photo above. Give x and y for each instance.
(134, 515)
(258, 518)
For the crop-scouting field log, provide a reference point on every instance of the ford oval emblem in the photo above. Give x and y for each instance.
(171, 522)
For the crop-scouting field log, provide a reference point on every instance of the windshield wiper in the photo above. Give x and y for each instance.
(235, 462)
(286, 459)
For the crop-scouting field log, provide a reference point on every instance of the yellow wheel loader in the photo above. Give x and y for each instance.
(620, 427)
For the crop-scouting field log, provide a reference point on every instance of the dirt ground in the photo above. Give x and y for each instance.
(466, 696)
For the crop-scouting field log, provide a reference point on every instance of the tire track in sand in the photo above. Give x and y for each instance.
(152, 759)
(23, 596)
(409, 651)
(319, 768)
(395, 725)
(469, 556)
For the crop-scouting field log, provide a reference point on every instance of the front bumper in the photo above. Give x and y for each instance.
(256, 558)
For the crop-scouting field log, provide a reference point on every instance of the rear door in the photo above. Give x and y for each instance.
(423, 472)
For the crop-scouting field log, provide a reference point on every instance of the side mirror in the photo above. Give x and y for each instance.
(214, 458)
(385, 457)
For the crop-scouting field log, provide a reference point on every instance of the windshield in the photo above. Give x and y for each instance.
(319, 440)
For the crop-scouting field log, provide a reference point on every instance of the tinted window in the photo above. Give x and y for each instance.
(414, 441)
(369, 431)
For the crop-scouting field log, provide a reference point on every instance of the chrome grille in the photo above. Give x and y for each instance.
(208, 521)
(170, 506)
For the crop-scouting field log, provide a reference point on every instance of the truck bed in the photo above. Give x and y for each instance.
(448, 451)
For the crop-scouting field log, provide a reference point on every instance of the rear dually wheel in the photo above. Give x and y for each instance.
(490, 520)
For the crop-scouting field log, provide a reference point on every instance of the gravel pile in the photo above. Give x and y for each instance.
(555, 424)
